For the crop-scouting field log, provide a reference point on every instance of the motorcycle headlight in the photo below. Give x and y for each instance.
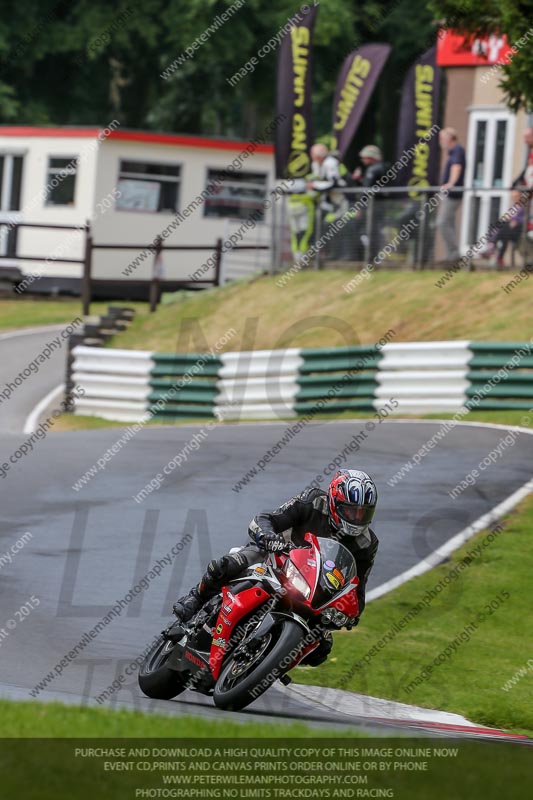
(294, 575)
(331, 616)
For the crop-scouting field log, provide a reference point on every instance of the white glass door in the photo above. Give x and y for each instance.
(488, 169)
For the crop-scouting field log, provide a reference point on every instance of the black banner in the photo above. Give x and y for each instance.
(355, 84)
(294, 135)
(419, 112)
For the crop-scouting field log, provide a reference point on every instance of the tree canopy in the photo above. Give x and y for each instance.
(85, 62)
(89, 61)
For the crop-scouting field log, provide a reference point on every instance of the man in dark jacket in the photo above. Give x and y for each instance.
(453, 176)
(343, 513)
(374, 169)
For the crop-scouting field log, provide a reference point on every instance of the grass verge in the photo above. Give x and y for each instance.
(30, 313)
(58, 721)
(408, 634)
(313, 310)
(69, 422)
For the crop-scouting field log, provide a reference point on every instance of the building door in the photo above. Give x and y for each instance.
(11, 166)
(488, 172)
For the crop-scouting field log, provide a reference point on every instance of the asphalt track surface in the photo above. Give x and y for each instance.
(89, 547)
(17, 350)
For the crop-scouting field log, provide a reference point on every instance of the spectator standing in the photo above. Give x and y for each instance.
(452, 177)
(525, 179)
(328, 176)
(325, 166)
(372, 160)
(318, 187)
(374, 168)
(328, 173)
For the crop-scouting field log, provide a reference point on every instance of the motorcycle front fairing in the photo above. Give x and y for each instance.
(329, 569)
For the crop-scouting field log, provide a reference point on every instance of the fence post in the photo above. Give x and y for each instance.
(526, 241)
(155, 286)
(273, 235)
(87, 269)
(368, 227)
(420, 260)
(318, 233)
(218, 262)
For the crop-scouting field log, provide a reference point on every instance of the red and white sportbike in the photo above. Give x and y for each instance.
(258, 628)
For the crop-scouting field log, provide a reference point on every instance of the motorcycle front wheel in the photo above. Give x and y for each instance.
(155, 679)
(245, 676)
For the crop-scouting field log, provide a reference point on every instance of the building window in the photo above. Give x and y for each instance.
(479, 158)
(10, 191)
(499, 152)
(236, 195)
(148, 187)
(61, 181)
(10, 181)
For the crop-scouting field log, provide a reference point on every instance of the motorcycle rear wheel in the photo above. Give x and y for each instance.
(155, 679)
(236, 687)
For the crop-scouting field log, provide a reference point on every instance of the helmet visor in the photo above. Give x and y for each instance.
(356, 515)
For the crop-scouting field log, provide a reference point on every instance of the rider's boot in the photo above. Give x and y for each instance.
(186, 607)
(217, 573)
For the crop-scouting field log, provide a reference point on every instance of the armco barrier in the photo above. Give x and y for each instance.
(128, 385)
(344, 378)
(424, 376)
(500, 375)
(183, 385)
(115, 383)
(259, 384)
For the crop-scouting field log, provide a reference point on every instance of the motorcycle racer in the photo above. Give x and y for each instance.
(343, 513)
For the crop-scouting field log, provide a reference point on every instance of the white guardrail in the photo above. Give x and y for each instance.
(265, 384)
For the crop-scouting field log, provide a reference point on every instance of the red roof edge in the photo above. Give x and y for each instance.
(136, 136)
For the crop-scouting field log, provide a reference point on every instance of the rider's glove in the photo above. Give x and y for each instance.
(273, 542)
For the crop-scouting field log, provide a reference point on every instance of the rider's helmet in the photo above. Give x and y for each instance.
(352, 498)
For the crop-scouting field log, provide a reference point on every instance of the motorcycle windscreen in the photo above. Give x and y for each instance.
(337, 568)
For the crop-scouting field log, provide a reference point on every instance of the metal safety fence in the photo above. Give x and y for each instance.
(403, 227)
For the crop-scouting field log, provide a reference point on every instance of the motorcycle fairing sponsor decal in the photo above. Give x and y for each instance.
(329, 564)
(219, 642)
(195, 660)
(340, 577)
(225, 621)
(228, 609)
(334, 581)
(219, 628)
(311, 562)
